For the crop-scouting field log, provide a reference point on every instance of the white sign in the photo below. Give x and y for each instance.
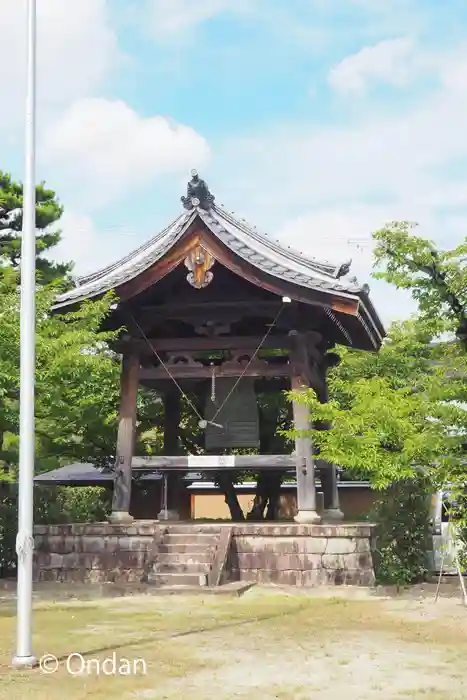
(200, 461)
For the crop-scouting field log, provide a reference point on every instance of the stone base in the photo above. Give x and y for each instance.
(120, 516)
(333, 514)
(279, 553)
(169, 515)
(307, 517)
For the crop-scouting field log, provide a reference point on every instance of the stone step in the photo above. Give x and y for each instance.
(174, 567)
(202, 539)
(182, 547)
(188, 528)
(183, 558)
(176, 579)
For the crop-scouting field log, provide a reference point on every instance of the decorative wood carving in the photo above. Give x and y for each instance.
(199, 262)
(240, 360)
(213, 329)
(182, 360)
(227, 369)
(173, 345)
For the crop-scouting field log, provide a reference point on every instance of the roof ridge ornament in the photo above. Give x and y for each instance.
(197, 194)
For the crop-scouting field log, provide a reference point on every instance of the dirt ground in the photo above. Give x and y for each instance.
(270, 643)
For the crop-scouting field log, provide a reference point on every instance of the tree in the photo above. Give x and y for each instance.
(437, 279)
(399, 416)
(48, 212)
(400, 412)
(77, 380)
(396, 415)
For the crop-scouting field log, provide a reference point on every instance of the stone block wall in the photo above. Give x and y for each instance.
(95, 553)
(303, 555)
(287, 554)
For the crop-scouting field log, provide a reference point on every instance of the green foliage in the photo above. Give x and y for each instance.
(72, 504)
(8, 529)
(437, 279)
(402, 517)
(399, 416)
(52, 506)
(392, 414)
(48, 212)
(77, 381)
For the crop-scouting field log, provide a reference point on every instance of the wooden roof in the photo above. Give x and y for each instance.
(257, 258)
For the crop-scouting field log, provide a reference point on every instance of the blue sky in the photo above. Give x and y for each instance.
(317, 121)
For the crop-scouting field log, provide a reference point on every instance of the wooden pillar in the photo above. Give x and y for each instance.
(330, 484)
(129, 381)
(172, 409)
(306, 488)
(331, 509)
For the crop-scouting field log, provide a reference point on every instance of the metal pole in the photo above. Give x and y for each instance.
(24, 539)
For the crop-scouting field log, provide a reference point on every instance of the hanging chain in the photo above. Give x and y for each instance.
(213, 383)
(248, 363)
(158, 357)
(202, 421)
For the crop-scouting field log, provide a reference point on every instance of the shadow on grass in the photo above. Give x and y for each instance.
(150, 638)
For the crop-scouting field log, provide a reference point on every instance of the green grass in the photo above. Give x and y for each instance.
(183, 640)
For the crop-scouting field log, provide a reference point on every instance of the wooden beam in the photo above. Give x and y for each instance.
(185, 371)
(215, 343)
(345, 306)
(250, 307)
(214, 462)
(272, 342)
(262, 385)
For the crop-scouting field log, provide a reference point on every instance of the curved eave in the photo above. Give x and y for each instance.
(369, 312)
(328, 268)
(238, 236)
(285, 271)
(128, 268)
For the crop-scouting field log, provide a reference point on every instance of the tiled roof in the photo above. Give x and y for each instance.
(85, 473)
(242, 239)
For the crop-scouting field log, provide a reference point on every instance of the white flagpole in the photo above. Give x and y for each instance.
(24, 540)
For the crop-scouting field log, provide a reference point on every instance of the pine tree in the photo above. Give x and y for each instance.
(48, 212)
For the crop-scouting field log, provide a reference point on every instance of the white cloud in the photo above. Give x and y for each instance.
(91, 148)
(107, 147)
(338, 234)
(169, 19)
(390, 61)
(319, 186)
(76, 50)
(402, 158)
(87, 246)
